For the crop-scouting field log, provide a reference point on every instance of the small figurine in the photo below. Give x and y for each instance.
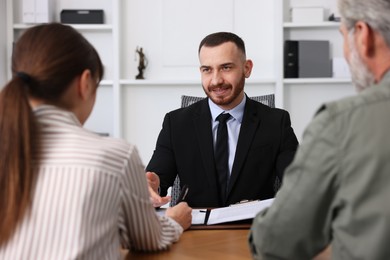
(143, 62)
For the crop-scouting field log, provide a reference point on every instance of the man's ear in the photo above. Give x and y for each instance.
(85, 87)
(364, 39)
(248, 68)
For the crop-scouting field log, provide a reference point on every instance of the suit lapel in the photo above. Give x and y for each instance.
(202, 126)
(249, 125)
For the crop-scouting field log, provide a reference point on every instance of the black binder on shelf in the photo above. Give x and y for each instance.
(291, 59)
(307, 59)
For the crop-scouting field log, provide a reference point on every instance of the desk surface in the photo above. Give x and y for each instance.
(205, 244)
(211, 244)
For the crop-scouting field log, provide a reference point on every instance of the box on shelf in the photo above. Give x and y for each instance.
(82, 16)
(307, 14)
(340, 68)
(37, 11)
(307, 59)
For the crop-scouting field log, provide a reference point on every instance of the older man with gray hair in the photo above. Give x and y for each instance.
(336, 192)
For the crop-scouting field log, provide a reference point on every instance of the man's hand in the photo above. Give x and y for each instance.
(154, 183)
(181, 213)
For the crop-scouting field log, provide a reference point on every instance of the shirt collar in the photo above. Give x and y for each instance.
(50, 112)
(237, 112)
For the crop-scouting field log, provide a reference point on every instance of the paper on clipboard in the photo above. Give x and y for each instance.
(232, 213)
(198, 216)
(237, 212)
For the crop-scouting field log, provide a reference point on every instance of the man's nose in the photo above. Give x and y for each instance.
(217, 78)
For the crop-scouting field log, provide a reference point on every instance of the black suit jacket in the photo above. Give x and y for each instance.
(266, 146)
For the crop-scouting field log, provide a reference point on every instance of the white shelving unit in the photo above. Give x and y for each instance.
(106, 117)
(134, 109)
(303, 96)
(131, 82)
(324, 24)
(80, 27)
(317, 81)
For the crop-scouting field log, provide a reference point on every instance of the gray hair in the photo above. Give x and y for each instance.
(376, 13)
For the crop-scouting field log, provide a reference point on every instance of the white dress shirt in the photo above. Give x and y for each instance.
(90, 198)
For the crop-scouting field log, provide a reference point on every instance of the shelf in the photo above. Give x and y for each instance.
(82, 27)
(117, 87)
(316, 81)
(137, 82)
(260, 81)
(197, 82)
(92, 27)
(325, 24)
(106, 83)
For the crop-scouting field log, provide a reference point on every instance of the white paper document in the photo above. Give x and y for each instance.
(198, 216)
(232, 213)
(237, 212)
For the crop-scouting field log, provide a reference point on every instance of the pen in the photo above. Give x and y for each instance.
(183, 193)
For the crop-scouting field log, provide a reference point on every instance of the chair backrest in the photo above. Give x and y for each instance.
(268, 100)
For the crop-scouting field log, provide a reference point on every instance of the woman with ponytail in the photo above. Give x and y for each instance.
(66, 192)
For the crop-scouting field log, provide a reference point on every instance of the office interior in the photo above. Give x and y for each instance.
(169, 31)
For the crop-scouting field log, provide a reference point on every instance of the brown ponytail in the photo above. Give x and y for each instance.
(18, 144)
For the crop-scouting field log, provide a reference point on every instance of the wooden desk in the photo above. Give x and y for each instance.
(226, 244)
(205, 244)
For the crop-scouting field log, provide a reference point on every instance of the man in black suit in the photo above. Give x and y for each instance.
(261, 141)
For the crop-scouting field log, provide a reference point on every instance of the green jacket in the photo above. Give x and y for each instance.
(337, 189)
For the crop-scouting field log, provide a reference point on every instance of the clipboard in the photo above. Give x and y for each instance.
(240, 224)
(237, 216)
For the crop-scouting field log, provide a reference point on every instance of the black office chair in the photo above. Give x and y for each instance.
(268, 100)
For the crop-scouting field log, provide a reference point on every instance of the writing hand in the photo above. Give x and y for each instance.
(181, 213)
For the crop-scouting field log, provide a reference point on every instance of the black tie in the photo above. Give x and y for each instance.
(222, 154)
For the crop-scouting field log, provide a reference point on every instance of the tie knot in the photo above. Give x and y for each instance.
(223, 117)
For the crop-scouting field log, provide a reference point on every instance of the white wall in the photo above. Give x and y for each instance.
(170, 32)
(303, 100)
(3, 44)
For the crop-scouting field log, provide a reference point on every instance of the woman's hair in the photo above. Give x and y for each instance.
(45, 60)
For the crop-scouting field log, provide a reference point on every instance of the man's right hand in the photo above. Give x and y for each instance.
(181, 213)
(154, 183)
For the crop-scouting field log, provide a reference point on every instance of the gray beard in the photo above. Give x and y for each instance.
(362, 77)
